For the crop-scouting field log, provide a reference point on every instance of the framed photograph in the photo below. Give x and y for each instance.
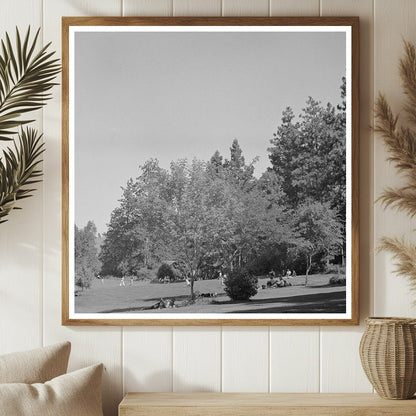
(210, 171)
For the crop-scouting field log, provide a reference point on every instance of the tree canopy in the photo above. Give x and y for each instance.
(86, 260)
(214, 215)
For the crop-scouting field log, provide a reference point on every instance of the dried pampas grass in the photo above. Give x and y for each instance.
(401, 144)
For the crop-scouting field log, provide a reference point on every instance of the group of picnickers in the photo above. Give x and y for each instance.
(280, 280)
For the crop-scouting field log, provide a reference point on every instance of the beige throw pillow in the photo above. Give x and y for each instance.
(73, 394)
(35, 366)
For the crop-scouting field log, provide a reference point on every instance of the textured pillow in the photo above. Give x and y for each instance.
(73, 394)
(35, 366)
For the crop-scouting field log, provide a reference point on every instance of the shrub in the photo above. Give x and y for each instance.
(166, 270)
(335, 269)
(337, 280)
(240, 285)
(145, 273)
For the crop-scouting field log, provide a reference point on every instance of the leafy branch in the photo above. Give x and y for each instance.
(19, 170)
(26, 78)
(401, 143)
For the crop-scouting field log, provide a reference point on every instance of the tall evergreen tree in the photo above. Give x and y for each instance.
(309, 154)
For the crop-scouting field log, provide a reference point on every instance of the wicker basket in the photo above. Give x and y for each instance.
(388, 356)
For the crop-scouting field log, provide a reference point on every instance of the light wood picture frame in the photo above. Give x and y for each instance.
(151, 106)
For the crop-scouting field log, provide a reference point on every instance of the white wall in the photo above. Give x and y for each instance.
(281, 359)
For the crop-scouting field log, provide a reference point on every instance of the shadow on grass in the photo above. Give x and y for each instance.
(320, 286)
(175, 297)
(332, 302)
(121, 310)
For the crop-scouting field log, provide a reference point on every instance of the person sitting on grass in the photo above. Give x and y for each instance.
(280, 282)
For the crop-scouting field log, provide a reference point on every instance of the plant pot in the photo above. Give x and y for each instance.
(388, 356)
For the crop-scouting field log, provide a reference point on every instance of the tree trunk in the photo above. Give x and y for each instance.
(192, 288)
(308, 268)
(193, 274)
(146, 252)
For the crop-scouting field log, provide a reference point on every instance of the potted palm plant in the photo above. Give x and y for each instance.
(26, 78)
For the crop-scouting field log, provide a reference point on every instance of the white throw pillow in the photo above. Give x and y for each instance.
(35, 366)
(73, 394)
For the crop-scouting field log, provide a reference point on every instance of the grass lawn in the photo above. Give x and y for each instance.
(317, 297)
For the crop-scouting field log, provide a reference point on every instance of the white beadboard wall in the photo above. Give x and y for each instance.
(238, 359)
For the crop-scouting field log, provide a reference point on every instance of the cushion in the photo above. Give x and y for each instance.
(73, 394)
(35, 366)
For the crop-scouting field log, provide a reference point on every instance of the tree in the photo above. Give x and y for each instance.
(309, 154)
(215, 164)
(137, 232)
(287, 145)
(317, 230)
(236, 170)
(87, 264)
(202, 215)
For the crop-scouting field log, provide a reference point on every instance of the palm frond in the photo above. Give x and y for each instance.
(26, 78)
(19, 170)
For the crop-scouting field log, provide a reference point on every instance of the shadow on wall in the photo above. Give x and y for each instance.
(160, 381)
(87, 8)
(112, 393)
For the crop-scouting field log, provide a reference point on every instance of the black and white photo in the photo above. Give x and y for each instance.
(210, 173)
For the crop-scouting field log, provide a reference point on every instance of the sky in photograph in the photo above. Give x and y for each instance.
(186, 95)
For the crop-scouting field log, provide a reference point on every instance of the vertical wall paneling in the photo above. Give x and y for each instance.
(196, 359)
(245, 359)
(245, 351)
(341, 370)
(294, 351)
(197, 7)
(147, 7)
(363, 9)
(349, 375)
(147, 352)
(21, 237)
(89, 344)
(394, 21)
(147, 359)
(294, 8)
(245, 7)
